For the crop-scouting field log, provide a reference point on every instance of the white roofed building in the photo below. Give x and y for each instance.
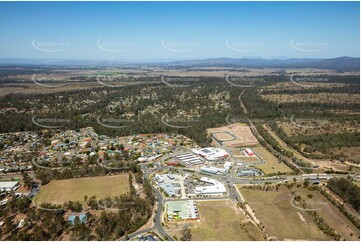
(217, 188)
(227, 165)
(189, 159)
(211, 153)
(9, 186)
(212, 170)
(158, 178)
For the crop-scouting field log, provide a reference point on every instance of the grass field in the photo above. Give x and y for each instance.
(220, 220)
(248, 159)
(273, 165)
(240, 156)
(60, 191)
(293, 223)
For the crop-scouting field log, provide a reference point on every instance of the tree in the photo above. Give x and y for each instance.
(26, 179)
(306, 183)
(22, 204)
(186, 234)
(347, 190)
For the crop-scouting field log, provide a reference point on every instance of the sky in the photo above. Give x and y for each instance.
(178, 30)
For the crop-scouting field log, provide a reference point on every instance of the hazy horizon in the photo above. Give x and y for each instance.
(143, 31)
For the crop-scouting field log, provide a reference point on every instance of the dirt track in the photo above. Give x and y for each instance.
(239, 132)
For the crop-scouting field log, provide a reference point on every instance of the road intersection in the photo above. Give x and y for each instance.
(229, 180)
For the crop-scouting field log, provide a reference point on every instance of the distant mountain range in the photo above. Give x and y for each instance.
(339, 64)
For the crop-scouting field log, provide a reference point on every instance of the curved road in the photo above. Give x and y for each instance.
(227, 179)
(158, 216)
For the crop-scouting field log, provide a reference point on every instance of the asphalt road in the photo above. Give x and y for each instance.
(229, 182)
(158, 216)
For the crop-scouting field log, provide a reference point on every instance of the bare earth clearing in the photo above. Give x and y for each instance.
(241, 131)
(294, 223)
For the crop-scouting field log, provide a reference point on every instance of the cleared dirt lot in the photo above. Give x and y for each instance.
(223, 136)
(292, 223)
(240, 131)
